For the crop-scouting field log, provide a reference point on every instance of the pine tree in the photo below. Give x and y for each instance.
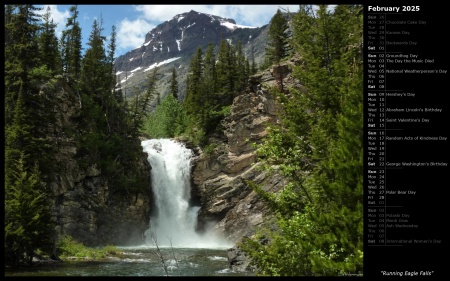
(71, 47)
(115, 110)
(226, 73)
(48, 45)
(210, 75)
(18, 137)
(47, 77)
(277, 45)
(110, 57)
(95, 89)
(211, 102)
(151, 95)
(21, 53)
(28, 221)
(96, 70)
(25, 77)
(174, 84)
(9, 15)
(108, 126)
(141, 103)
(248, 70)
(193, 103)
(241, 72)
(253, 67)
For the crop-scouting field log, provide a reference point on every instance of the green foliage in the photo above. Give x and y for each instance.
(109, 126)
(194, 103)
(106, 132)
(209, 149)
(167, 121)
(253, 66)
(28, 222)
(294, 251)
(71, 48)
(242, 68)
(195, 135)
(226, 73)
(67, 247)
(277, 45)
(49, 45)
(318, 147)
(212, 85)
(174, 84)
(21, 53)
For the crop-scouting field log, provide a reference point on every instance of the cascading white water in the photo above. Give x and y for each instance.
(174, 220)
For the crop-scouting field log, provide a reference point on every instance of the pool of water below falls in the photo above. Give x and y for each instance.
(140, 261)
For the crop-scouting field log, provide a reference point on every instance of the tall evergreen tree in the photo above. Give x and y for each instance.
(278, 41)
(225, 69)
(18, 137)
(142, 103)
(9, 16)
(21, 53)
(47, 77)
(174, 84)
(109, 129)
(71, 48)
(211, 102)
(96, 70)
(193, 103)
(49, 45)
(241, 71)
(28, 222)
(110, 58)
(95, 89)
(25, 76)
(151, 95)
(210, 73)
(248, 70)
(253, 67)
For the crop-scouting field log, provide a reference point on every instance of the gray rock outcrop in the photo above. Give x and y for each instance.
(220, 178)
(83, 203)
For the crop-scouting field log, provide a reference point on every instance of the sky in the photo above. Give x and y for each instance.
(132, 22)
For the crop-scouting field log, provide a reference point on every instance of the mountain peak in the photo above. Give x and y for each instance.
(192, 14)
(173, 43)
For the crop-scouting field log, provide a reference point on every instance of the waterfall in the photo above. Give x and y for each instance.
(173, 218)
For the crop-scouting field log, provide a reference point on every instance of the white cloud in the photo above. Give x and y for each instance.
(131, 34)
(131, 31)
(250, 15)
(161, 13)
(257, 15)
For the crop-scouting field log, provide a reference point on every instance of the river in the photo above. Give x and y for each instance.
(140, 261)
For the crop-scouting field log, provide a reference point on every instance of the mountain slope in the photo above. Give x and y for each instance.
(172, 44)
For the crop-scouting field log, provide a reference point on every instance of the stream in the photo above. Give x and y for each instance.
(140, 261)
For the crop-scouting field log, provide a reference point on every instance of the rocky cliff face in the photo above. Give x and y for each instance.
(219, 178)
(83, 205)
